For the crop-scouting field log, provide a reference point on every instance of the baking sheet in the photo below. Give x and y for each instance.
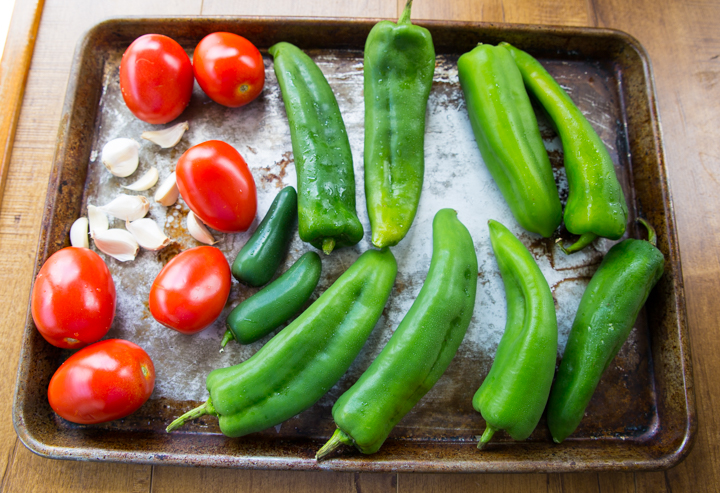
(626, 409)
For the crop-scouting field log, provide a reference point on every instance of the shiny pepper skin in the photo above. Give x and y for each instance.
(596, 204)
(398, 72)
(513, 395)
(508, 137)
(608, 309)
(420, 349)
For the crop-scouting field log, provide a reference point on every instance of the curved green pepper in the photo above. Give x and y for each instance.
(399, 66)
(419, 350)
(273, 305)
(260, 258)
(305, 359)
(508, 137)
(514, 394)
(608, 309)
(325, 176)
(596, 203)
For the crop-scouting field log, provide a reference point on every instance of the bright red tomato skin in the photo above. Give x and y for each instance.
(217, 185)
(108, 380)
(156, 78)
(191, 290)
(73, 298)
(229, 69)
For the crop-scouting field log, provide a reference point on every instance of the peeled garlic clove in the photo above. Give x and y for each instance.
(79, 233)
(120, 156)
(167, 193)
(148, 234)
(118, 243)
(198, 230)
(168, 137)
(97, 219)
(145, 182)
(127, 207)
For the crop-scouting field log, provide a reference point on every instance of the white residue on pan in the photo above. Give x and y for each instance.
(455, 177)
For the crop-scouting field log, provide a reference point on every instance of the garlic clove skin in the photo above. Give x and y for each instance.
(127, 207)
(168, 192)
(97, 219)
(145, 182)
(198, 230)
(148, 234)
(118, 243)
(79, 233)
(120, 156)
(168, 137)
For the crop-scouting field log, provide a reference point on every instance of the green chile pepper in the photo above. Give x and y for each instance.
(399, 66)
(514, 394)
(304, 360)
(260, 258)
(326, 180)
(273, 305)
(508, 137)
(608, 309)
(596, 203)
(419, 350)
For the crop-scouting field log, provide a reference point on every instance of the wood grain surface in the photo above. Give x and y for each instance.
(683, 41)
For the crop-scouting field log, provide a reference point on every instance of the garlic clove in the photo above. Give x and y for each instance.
(79, 233)
(167, 193)
(198, 230)
(118, 243)
(97, 219)
(127, 207)
(168, 137)
(148, 234)
(145, 182)
(120, 156)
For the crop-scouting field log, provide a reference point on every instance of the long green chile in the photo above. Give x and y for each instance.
(398, 71)
(508, 136)
(513, 395)
(607, 312)
(596, 204)
(420, 349)
(327, 218)
(304, 360)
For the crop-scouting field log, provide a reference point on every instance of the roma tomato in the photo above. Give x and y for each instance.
(191, 290)
(156, 78)
(215, 182)
(102, 382)
(229, 68)
(73, 298)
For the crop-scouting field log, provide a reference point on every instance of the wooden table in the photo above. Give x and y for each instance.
(683, 40)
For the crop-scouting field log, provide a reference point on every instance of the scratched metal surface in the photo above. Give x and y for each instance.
(623, 408)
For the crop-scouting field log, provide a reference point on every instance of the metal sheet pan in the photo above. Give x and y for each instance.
(641, 417)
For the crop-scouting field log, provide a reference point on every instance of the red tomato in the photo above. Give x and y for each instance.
(102, 382)
(215, 182)
(156, 78)
(229, 68)
(73, 299)
(191, 290)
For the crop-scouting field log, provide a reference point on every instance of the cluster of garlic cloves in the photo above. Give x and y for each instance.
(121, 157)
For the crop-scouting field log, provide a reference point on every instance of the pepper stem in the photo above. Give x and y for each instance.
(229, 336)
(338, 438)
(486, 436)
(405, 16)
(652, 236)
(202, 410)
(585, 240)
(328, 245)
